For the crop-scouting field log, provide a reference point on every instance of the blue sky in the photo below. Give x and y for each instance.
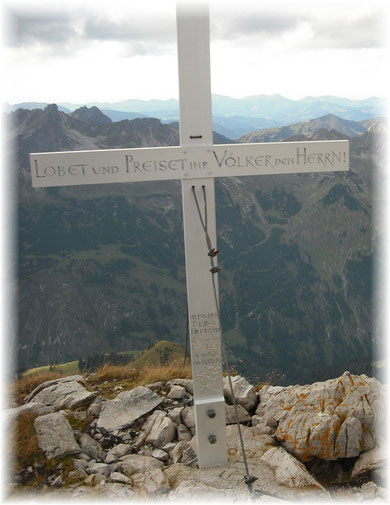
(94, 50)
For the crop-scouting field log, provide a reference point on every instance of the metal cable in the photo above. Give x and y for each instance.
(187, 337)
(248, 478)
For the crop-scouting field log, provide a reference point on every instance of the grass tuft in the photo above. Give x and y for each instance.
(26, 451)
(111, 379)
(114, 373)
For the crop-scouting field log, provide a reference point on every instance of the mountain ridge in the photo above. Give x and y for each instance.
(228, 112)
(307, 128)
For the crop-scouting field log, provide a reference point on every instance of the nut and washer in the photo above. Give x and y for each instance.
(211, 413)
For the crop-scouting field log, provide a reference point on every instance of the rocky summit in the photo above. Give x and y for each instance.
(315, 442)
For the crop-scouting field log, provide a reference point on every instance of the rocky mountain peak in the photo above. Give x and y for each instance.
(51, 109)
(90, 115)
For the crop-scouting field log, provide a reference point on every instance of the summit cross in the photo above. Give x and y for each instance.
(196, 162)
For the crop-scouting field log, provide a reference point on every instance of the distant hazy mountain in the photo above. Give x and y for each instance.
(306, 128)
(32, 105)
(234, 117)
(235, 126)
(116, 115)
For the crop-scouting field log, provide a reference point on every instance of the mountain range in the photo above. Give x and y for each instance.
(233, 117)
(101, 268)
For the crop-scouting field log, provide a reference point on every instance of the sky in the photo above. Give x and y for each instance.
(93, 50)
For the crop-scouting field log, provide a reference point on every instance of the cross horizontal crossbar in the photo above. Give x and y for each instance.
(192, 162)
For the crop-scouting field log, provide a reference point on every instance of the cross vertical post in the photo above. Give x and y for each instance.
(196, 162)
(193, 42)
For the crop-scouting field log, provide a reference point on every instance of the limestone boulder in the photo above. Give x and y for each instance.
(244, 392)
(289, 471)
(175, 414)
(99, 468)
(183, 433)
(65, 393)
(159, 429)
(255, 442)
(194, 491)
(117, 452)
(243, 416)
(213, 482)
(117, 491)
(153, 482)
(126, 408)
(188, 418)
(70, 378)
(185, 383)
(329, 420)
(55, 435)
(90, 447)
(370, 461)
(135, 463)
(176, 392)
(119, 477)
(160, 455)
(176, 454)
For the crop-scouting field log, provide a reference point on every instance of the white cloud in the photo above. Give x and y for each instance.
(116, 50)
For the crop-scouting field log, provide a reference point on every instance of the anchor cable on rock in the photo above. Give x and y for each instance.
(212, 252)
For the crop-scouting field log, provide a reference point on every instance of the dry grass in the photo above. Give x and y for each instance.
(113, 373)
(24, 441)
(166, 373)
(109, 377)
(24, 386)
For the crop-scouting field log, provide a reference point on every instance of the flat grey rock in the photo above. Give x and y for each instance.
(126, 408)
(55, 435)
(135, 463)
(67, 393)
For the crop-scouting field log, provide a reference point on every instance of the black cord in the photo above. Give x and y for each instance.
(187, 336)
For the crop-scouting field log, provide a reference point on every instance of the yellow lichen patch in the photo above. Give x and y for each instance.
(303, 396)
(326, 443)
